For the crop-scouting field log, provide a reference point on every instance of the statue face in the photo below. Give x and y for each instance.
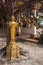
(12, 18)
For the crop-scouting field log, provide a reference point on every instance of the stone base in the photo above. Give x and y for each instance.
(32, 36)
(12, 51)
(19, 34)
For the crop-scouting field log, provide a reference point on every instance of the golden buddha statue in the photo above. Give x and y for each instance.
(12, 49)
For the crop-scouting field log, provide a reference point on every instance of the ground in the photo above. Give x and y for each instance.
(33, 55)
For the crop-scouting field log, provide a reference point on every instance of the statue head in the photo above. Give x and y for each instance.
(12, 18)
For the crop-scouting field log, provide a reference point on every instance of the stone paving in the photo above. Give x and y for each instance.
(2, 42)
(33, 57)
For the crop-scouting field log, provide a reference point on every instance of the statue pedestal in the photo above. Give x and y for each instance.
(12, 51)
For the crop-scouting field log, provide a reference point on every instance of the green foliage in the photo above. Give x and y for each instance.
(39, 20)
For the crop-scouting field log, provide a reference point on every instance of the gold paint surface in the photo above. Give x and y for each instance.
(12, 51)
